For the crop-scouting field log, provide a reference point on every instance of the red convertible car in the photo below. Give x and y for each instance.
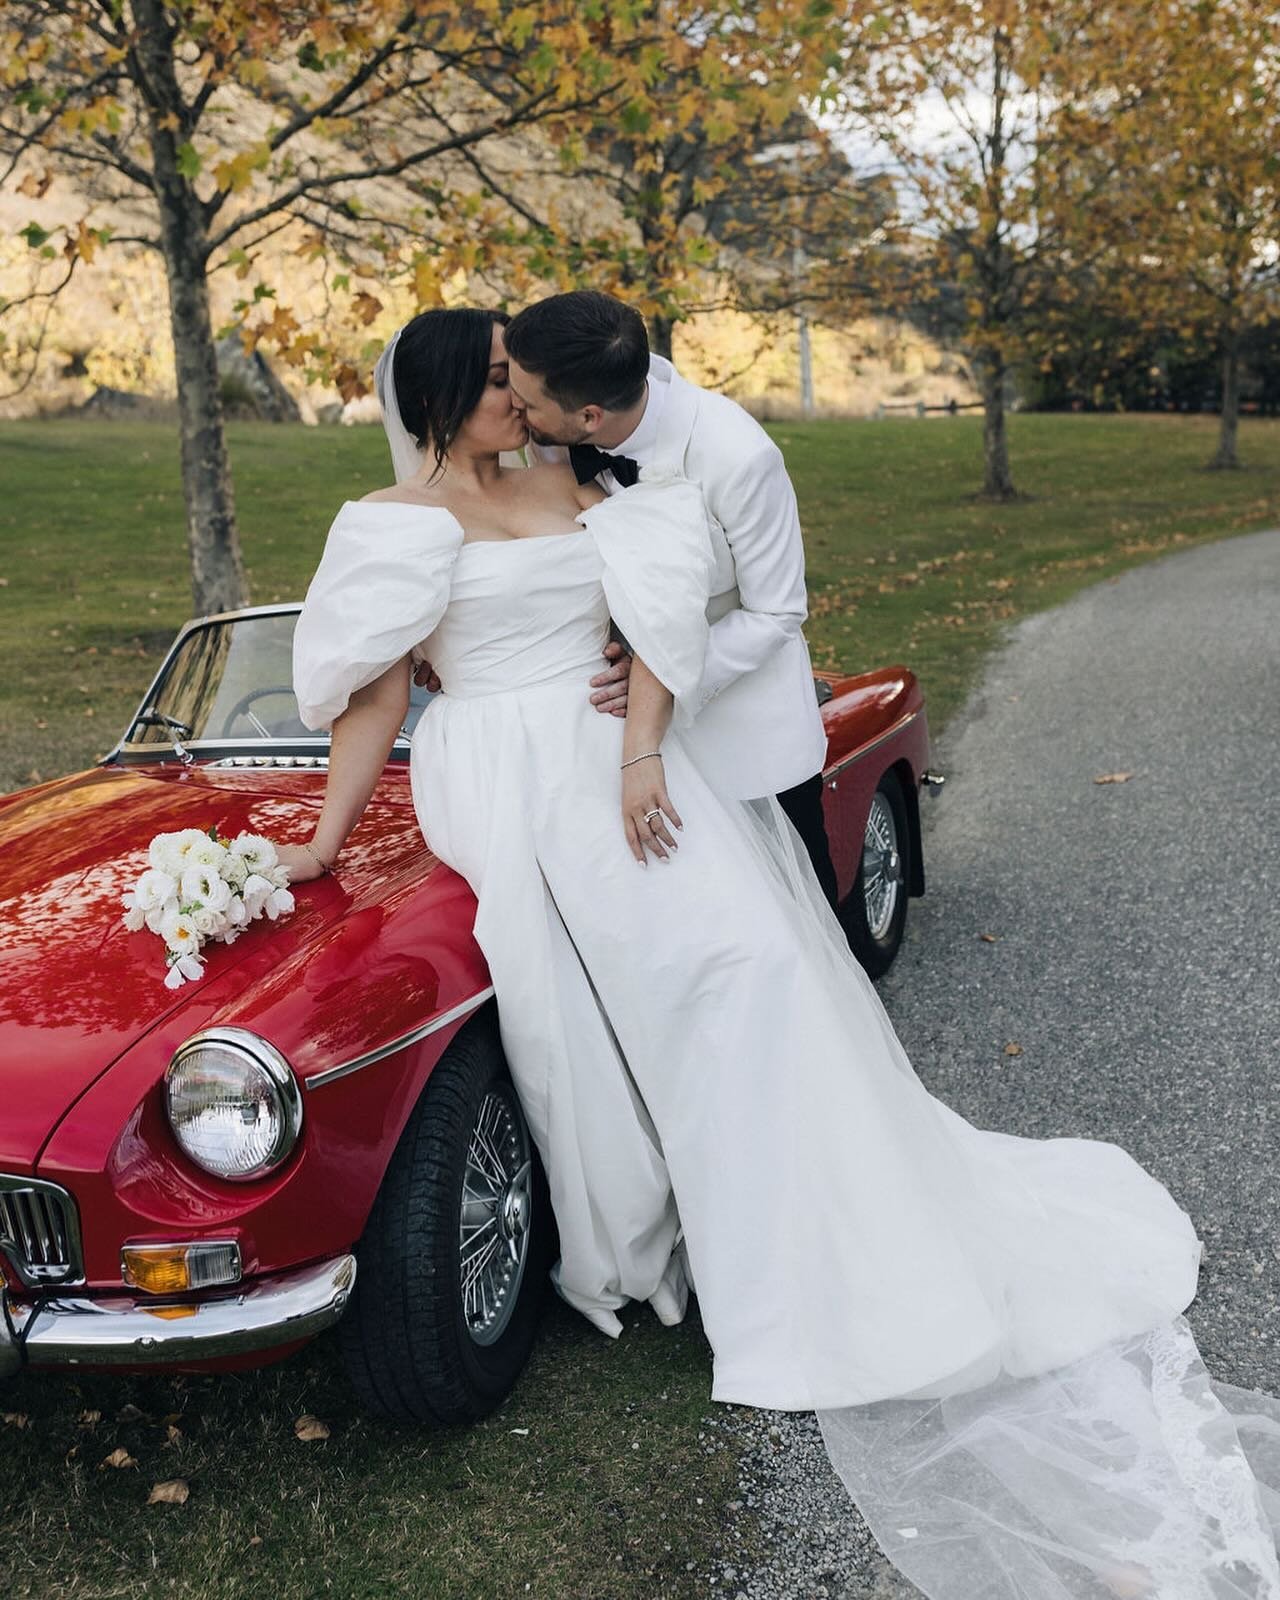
(191, 1177)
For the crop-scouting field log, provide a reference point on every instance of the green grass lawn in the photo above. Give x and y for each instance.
(903, 567)
(617, 1489)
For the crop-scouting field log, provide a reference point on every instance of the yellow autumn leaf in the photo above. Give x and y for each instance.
(172, 1492)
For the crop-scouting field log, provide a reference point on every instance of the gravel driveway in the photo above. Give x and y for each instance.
(1134, 961)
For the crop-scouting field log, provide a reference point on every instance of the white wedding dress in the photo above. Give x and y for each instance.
(988, 1326)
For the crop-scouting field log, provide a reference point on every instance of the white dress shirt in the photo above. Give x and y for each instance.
(643, 441)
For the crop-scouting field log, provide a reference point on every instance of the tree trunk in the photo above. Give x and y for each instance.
(1225, 458)
(997, 478)
(660, 331)
(217, 572)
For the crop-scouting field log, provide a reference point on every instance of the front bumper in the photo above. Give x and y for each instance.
(124, 1331)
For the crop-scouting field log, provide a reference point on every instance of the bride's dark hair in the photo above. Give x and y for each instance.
(441, 367)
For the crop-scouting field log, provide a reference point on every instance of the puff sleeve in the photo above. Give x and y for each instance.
(381, 587)
(655, 545)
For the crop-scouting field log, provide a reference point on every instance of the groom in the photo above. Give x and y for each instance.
(581, 371)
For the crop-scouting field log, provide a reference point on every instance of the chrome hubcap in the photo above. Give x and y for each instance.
(493, 1225)
(881, 867)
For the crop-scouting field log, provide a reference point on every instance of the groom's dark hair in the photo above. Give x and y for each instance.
(588, 348)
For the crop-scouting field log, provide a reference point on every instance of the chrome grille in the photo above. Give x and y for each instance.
(39, 1230)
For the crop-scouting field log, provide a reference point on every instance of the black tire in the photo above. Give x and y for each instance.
(876, 946)
(409, 1349)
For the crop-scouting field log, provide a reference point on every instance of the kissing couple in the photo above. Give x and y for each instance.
(989, 1327)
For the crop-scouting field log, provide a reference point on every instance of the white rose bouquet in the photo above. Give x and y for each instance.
(200, 886)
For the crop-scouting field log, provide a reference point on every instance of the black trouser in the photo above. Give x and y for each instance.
(803, 805)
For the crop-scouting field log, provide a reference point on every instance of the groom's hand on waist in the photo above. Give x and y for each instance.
(424, 675)
(609, 688)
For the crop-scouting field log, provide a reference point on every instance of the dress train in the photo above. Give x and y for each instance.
(1123, 1473)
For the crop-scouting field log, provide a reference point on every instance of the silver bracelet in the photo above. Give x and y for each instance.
(647, 756)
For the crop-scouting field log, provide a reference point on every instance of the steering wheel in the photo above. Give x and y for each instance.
(242, 709)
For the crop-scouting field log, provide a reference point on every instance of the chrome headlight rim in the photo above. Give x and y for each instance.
(262, 1054)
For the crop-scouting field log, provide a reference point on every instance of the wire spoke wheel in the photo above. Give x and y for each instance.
(874, 912)
(882, 884)
(494, 1218)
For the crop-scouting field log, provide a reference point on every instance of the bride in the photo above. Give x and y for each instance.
(989, 1327)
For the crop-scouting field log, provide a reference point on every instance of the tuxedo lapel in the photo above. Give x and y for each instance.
(678, 415)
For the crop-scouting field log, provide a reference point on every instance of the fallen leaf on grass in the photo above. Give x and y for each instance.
(173, 1435)
(308, 1428)
(86, 1419)
(987, 938)
(256, 1539)
(1113, 777)
(119, 1457)
(1012, 1049)
(129, 1413)
(16, 1419)
(523, 1431)
(172, 1492)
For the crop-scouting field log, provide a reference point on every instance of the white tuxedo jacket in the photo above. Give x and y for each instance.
(759, 729)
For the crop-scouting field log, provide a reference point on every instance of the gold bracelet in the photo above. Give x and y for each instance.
(647, 756)
(323, 864)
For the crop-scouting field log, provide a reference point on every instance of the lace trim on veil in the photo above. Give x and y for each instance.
(1127, 1474)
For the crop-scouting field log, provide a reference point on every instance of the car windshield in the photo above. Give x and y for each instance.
(231, 682)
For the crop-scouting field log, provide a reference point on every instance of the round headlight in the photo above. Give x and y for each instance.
(233, 1103)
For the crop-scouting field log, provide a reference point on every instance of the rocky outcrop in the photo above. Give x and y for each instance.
(249, 386)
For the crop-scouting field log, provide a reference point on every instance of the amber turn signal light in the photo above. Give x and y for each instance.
(177, 1268)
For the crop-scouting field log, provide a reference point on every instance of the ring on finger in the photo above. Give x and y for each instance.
(650, 815)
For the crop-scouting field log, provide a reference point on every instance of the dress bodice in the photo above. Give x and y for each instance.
(521, 612)
(495, 616)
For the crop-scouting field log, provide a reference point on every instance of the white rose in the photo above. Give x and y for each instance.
(207, 921)
(237, 913)
(234, 870)
(205, 885)
(179, 933)
(184, 842)
(279, 875)
(206, 853)
(135, 919)
(257, 853)
(154, 888)
(162, 853)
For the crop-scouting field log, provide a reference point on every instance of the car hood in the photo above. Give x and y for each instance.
(76, 989)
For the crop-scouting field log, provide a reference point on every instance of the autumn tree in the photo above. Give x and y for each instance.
(1003, 125)
(1202, 247)
(220, 124)
(687, 210)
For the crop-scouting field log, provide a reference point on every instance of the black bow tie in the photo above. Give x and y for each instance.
(588, 462)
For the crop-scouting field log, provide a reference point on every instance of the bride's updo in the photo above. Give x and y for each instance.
(440, 368)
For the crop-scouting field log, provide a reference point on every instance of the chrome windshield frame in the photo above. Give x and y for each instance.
(155, 751)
